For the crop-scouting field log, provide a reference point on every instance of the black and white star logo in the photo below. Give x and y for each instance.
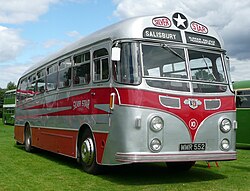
(180, 21)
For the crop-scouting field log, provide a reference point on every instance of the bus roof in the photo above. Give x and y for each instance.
(245, 84)
(158, 27)
(10, 91)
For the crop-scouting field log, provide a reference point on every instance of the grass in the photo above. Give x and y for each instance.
(43, 170)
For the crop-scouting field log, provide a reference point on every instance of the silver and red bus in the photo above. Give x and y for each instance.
(147, 89)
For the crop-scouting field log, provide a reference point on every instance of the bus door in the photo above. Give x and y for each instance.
(100, 93)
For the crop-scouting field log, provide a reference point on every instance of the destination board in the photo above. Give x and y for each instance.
(162, 34)
(202, 40)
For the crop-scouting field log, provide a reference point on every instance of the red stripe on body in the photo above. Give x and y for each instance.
(82, 104)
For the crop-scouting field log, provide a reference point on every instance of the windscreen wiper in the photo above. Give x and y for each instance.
(209, 71)
(166, 47)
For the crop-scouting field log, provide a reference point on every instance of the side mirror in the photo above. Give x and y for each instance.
(116, 54)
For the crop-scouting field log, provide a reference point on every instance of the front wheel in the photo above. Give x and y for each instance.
(88, 154)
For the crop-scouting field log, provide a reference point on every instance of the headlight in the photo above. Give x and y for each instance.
(225, 125)
(156, 124)
(225, 145)
(155, 145)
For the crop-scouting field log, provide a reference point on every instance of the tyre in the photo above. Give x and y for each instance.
(27, 139)
(17, 143)
(88, 154)
(180, 166)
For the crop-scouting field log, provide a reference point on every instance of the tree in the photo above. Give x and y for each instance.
(11, 86)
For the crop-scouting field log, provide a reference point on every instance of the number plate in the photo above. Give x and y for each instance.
(193, 147)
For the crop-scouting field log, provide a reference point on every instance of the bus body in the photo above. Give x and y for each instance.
(242, 92)
(9, 104)
(147, 89)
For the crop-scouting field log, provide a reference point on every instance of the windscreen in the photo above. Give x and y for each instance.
(163, 61)
(207, 72)
(180, 69)
(206, 66)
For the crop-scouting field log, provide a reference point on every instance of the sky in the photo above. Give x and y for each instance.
(33, 29)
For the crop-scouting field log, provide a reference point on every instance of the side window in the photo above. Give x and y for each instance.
(81, 69)
(40, 84)
(31, 89)
(52, 77)
(243, 99)
(22, 90)
(64, 73)
(101, 65)
(127, 70)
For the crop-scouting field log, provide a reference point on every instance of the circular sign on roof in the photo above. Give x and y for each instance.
(161, 22)
(197, 27)
(180, 21)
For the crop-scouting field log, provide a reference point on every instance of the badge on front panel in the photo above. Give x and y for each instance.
(193, 103)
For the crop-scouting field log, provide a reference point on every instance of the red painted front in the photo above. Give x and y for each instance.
(150, 99)
(100, 139)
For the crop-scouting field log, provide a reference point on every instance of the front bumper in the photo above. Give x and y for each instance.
(175, 157)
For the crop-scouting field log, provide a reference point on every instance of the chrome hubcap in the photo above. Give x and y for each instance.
(87, 151)
(28, 137)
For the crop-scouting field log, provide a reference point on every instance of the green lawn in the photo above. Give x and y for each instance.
(42, 170)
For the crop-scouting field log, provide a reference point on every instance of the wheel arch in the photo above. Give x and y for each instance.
(26, 125)
(85, 127)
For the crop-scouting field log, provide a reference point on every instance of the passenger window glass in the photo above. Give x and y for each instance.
(64, 73)
(31, 89)
(40, 84)
(81, 69)
(52, 77)
(22, 90)
(101, 65)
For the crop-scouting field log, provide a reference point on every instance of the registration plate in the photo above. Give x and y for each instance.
(193, 147)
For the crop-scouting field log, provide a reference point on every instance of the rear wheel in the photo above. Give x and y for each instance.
(88, 153)
(27, 139)
(180, 166)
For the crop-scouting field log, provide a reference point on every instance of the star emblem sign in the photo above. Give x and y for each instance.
(180, 21)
